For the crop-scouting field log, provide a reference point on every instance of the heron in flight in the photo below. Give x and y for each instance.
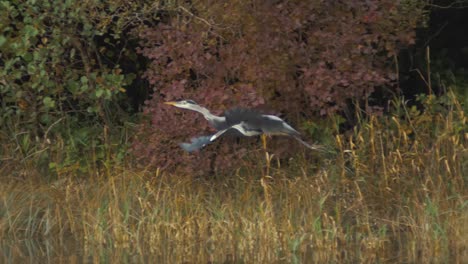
(247, 122)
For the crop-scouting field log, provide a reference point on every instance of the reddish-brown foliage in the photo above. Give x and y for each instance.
(301, 57)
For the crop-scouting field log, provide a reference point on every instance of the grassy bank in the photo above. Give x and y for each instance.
(394, 191)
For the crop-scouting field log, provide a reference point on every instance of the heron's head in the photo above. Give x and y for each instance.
(185, 104)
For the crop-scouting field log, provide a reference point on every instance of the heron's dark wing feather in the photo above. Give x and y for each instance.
(254, 120)
(219, 124)
(237, 115)
(251, 119)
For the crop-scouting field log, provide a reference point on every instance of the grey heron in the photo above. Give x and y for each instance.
(247, 122)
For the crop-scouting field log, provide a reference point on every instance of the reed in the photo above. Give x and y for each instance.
(394, 191)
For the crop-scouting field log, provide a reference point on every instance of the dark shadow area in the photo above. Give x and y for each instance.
(445, 40)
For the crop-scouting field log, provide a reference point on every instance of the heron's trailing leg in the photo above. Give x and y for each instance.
(267, 156)
(264, 141)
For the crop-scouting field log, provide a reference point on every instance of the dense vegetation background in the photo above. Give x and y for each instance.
(73, 71)
(89, 151)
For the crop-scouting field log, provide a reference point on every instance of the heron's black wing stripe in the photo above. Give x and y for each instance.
(252, 129)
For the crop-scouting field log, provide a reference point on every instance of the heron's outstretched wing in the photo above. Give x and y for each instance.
(200, 142)
(196, 143)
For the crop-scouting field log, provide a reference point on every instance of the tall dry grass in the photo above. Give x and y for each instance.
(394, 191)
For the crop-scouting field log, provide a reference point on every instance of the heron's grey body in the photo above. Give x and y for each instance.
(244, 121)
(264, 124)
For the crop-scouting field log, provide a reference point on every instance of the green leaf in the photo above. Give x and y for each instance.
(45, 119)
(2, 40)
(99, 92)
(108, 94)
(31, 68)
(30, 31)
(92, 109)
(73, 87)
(52, 165)
(28, 57)
(19, 94)
(48, 102)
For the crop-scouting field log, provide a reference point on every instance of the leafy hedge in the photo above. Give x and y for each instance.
(66, 68)
(65, 65)
(65, 58)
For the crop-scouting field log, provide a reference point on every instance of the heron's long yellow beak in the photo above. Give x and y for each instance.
(170, 103)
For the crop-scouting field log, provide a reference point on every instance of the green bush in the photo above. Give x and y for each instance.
(62, 58)
(65, 67)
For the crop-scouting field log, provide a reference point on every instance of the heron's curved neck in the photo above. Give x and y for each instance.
(207, 114)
